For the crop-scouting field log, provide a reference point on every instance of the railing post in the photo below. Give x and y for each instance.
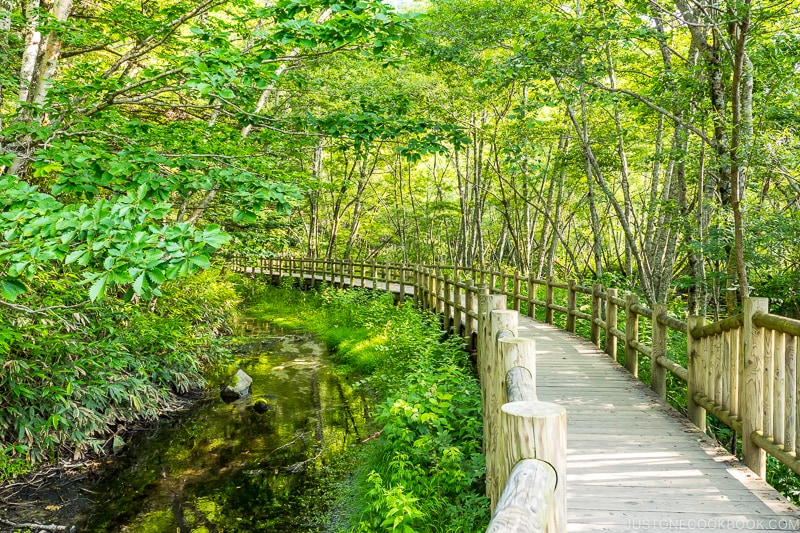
(386, 275)
(457, 318)
(596, 313)
(753, 392)
(501, 322)
(695, 375)
(531, 296)
(512, 352)
(548, 302)
(571, 305)
(611, 323)
(431, 273)
(503, 281)
(302, 272)
(539, 430)
(438, 287)
(429, 286)
(790, 443)
(517, 295)
(351, 272)
(631, 335)
(487, 303)
(440, 294)
(401, 274)
(469, 304)
(448, 309)
(658, 373)
(419, 287)
(341, 274)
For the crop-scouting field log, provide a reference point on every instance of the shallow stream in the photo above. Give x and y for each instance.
(225, 467)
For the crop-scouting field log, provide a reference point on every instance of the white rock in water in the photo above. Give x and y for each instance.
(238, 386)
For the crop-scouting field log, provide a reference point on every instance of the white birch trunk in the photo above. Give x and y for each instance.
(52, 49)
(33, 40)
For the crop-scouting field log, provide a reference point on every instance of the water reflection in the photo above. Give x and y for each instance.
(228, 468)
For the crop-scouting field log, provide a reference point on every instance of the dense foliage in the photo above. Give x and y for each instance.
(650, 144)
(75, 376)
(134, 132)
(424, 472)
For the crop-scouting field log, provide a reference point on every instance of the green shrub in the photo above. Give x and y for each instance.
(77, 373)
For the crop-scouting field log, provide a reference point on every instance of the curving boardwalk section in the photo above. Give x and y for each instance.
(633, 462)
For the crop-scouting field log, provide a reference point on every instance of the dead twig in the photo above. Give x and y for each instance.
(39, 527)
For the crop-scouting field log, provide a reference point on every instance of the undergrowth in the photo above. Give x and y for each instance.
(74, 375)
(424, 472)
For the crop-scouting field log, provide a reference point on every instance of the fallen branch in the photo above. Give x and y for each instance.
(39, 527)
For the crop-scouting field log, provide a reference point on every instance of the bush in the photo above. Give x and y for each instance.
(75, 374)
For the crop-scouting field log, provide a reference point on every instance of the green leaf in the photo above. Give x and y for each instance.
(74, 256)
(214, 236)
(200, 261)
(140, 284)
(10, 288)
(156, 276)
(98, 287)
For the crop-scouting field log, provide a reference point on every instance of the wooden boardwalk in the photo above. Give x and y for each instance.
(636, 464)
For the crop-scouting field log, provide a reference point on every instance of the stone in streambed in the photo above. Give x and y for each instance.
(261, 406)
(238, 386)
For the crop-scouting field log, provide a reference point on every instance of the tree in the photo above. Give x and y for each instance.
(140, 131)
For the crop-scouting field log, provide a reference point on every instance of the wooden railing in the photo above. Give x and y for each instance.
(525, 440)
(742, 369)
(744, 372)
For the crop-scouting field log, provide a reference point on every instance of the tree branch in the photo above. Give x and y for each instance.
(655, 107)
(40, 311)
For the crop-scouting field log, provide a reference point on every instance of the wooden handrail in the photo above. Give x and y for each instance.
(527, 500)
(726, 324)
(777, 323)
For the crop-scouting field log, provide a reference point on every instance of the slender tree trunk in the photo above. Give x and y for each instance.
(623, 160)
(556, 222)
(597, 235)
(5, 28)
(266, 93)
(645, 278)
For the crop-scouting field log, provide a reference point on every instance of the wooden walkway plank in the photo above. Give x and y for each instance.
(633, 462)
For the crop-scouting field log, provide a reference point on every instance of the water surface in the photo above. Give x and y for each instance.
(225, 467)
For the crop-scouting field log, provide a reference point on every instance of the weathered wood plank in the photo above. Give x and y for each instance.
(633, 462)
